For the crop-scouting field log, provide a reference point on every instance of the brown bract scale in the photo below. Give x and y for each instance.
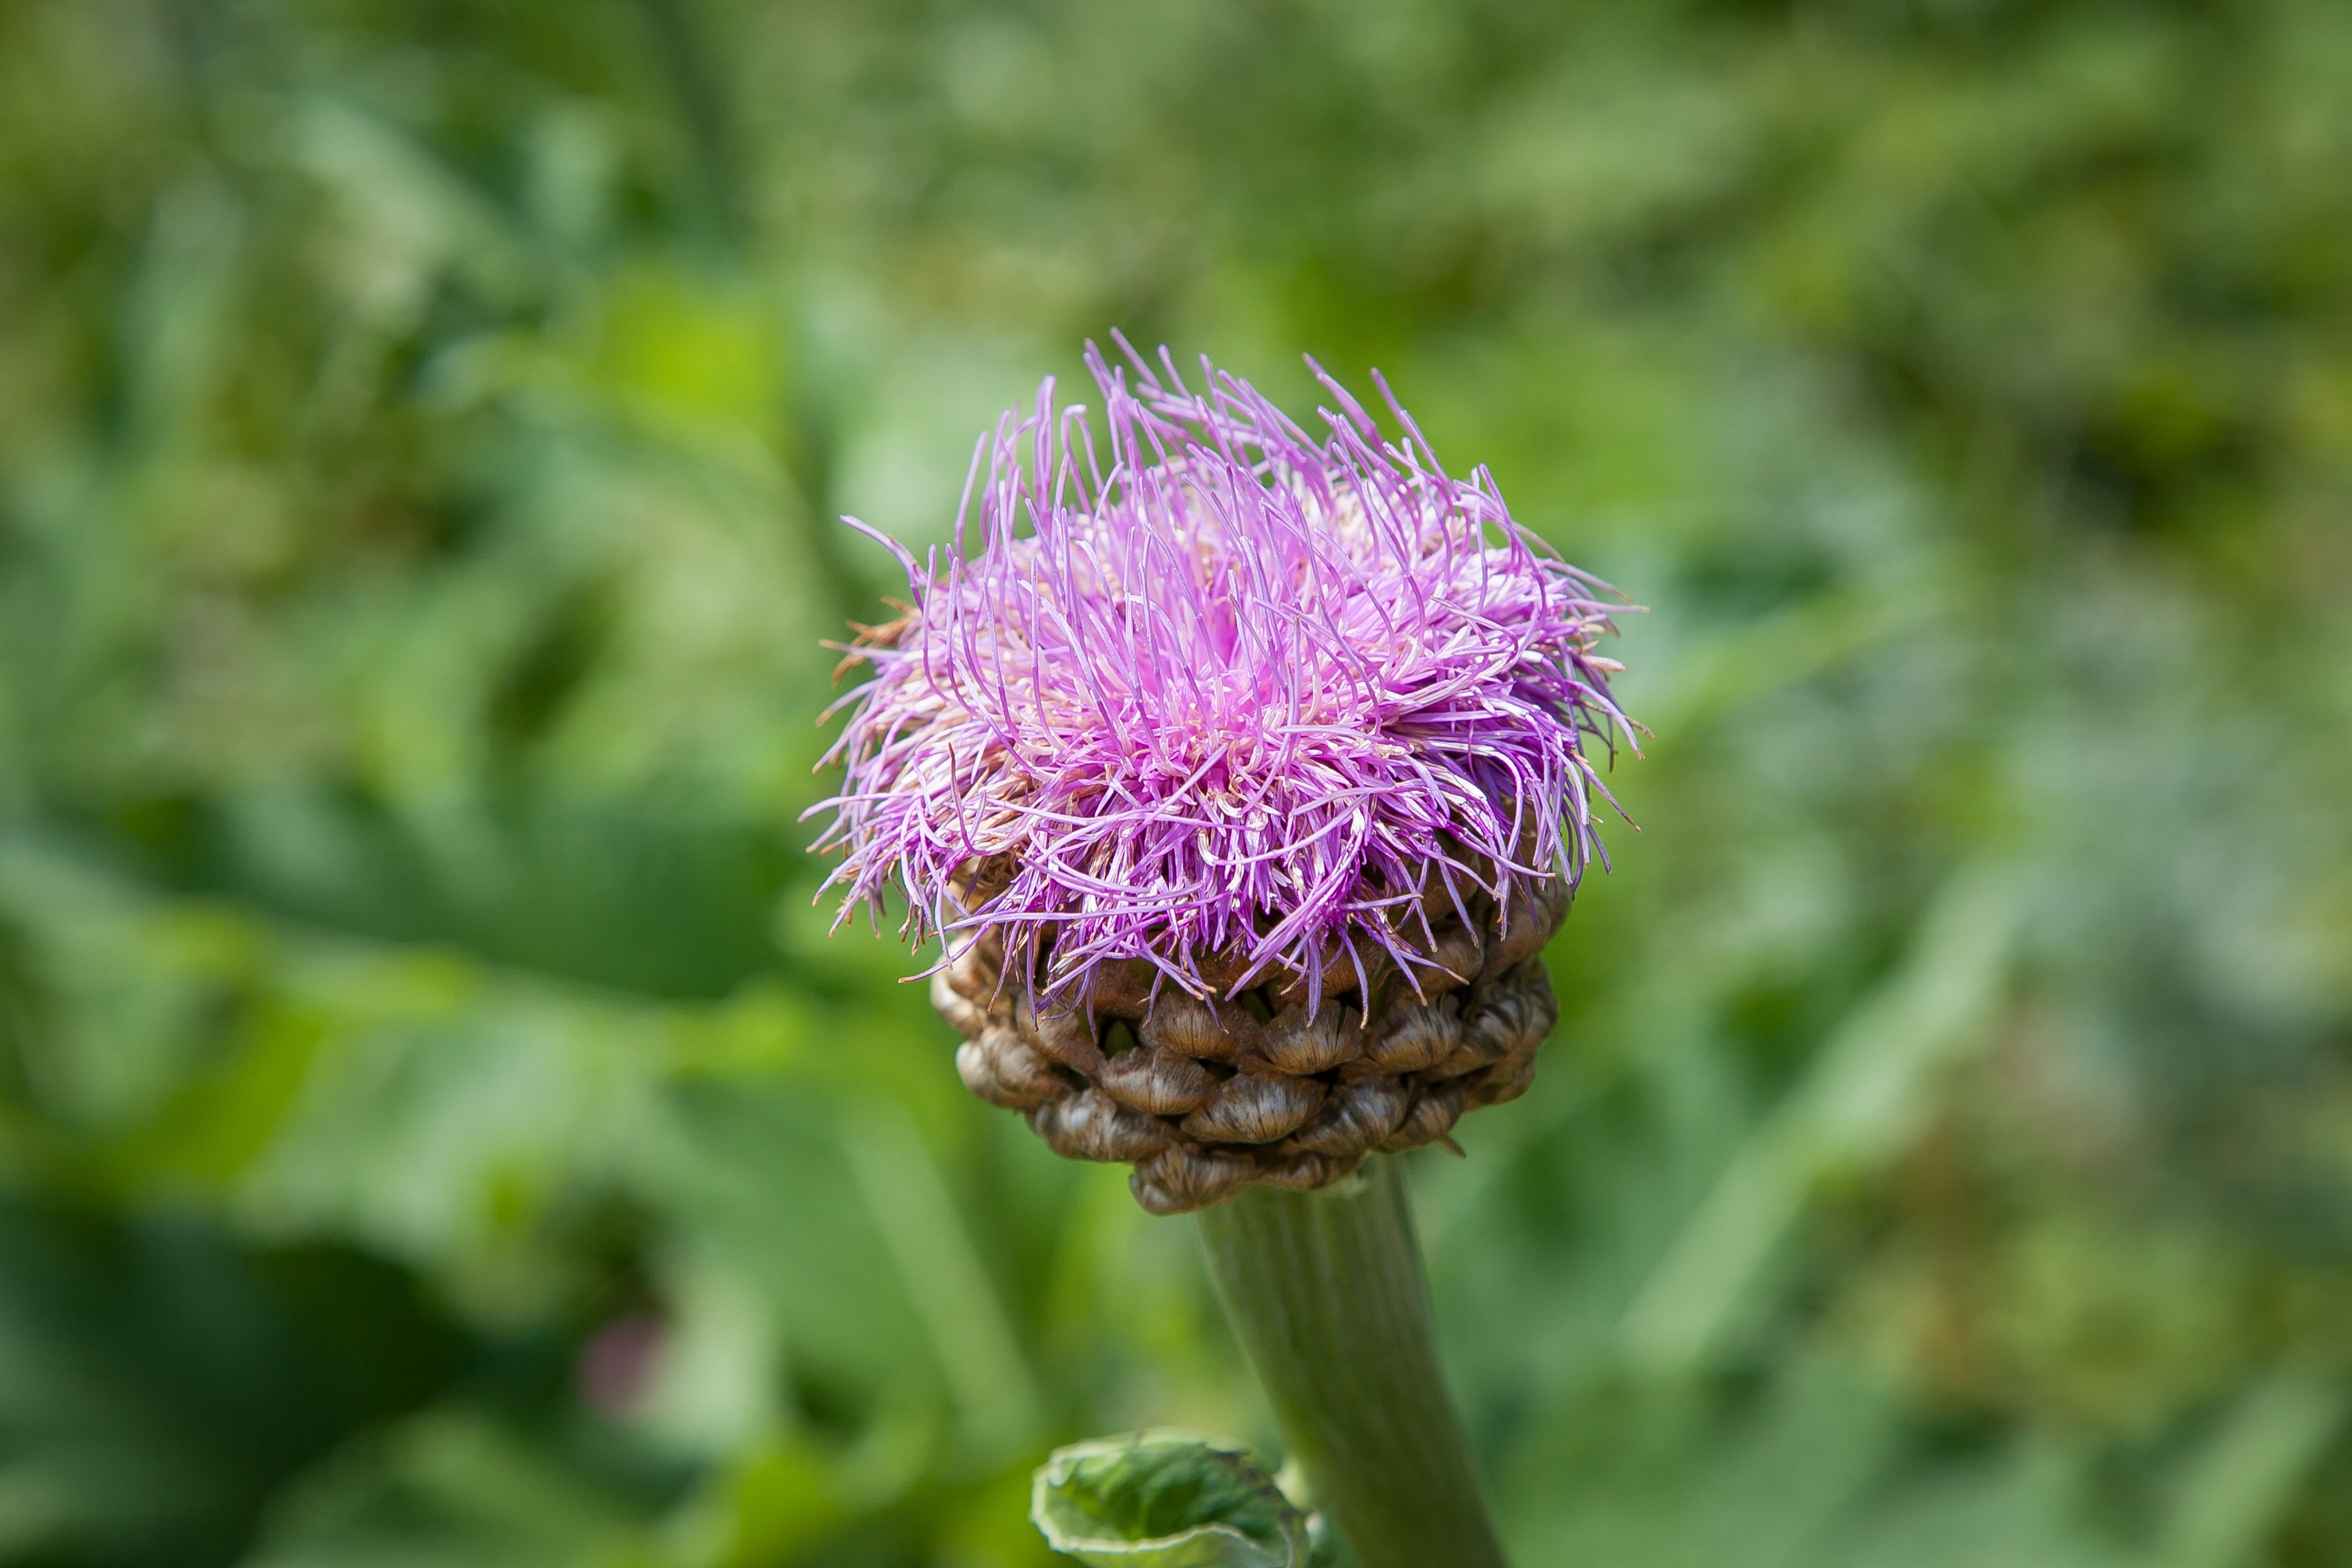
(1204, 1096)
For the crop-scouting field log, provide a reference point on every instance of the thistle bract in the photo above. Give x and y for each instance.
(1203, 694)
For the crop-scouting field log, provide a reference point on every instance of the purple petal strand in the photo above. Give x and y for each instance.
(1237, 694)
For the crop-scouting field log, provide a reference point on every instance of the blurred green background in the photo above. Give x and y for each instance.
(434, 1127)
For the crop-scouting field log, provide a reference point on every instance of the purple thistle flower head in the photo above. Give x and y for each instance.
(1218, 694)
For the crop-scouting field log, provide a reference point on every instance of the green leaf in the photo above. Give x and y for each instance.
(1166, 1499)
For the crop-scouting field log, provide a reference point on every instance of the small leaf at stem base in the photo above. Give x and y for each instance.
(1166, 1499)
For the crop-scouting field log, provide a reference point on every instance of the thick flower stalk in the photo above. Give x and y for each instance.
(1243, 774)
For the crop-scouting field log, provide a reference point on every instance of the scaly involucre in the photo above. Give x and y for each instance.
(1239, 703)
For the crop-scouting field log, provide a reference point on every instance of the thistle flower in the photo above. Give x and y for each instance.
(1276, 750)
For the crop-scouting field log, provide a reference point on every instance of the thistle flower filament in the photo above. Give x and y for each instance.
(1199, 691)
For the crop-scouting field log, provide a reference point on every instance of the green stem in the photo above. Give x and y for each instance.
(1326, 1292)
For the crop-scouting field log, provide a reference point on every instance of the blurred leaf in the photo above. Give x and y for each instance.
(2235, 1490)
(159, 1385)
(1862, 1098)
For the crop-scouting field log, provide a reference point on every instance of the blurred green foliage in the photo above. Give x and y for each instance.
(435, 1129)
